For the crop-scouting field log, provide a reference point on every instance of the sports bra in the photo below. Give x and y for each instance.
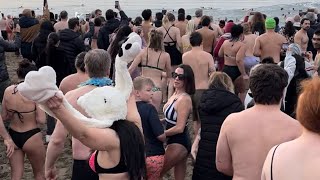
(18, 112)
(271, 172)
(152, 67)
(120, 168)
(173, 42)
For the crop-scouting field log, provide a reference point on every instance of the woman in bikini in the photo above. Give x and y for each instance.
(298, 159)
(176, 112)
(24, 117)
(154, 61)
(233, 52)
(172, 44)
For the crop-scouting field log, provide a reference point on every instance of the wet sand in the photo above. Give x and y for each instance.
(64, 163)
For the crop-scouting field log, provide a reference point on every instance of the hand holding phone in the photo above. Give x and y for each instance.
(116, 4)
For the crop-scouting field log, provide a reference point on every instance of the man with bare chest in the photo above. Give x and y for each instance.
(301, 36)
(270, 43)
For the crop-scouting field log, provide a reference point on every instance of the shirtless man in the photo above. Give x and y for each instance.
(3, 27)
(63, 23)
(202, 65)
(246, 137)
(270, 43)
(249, 39)
(181, 24)
(198, 14)
(301, 36)
(97, 65)
(146, 24)
(72, 81)
(208, 35)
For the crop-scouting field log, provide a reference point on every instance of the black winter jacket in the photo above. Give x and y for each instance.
(215, 105)
(6, 46)
(103, 41)
(72, 44)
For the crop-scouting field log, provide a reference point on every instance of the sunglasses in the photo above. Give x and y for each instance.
(180, 76)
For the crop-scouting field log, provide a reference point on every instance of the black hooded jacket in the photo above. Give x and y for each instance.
(103, 41)
(215, 105)
(72, 44)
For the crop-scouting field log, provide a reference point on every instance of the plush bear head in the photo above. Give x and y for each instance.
(130, 48)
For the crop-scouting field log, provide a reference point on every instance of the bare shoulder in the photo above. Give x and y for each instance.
(184, 99)
(9, 89)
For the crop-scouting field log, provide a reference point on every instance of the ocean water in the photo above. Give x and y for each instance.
(232, 9)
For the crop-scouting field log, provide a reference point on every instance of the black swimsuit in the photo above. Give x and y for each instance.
(20, 138)
(171, 49)
(171, 117)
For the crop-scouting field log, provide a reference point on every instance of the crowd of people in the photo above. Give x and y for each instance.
(252, 88)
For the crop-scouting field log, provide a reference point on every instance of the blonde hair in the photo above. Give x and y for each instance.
(221, 80)
(191, 27)
(169, 17)
(27, 12)
(156, 40)
(140, 82)
(246, 28)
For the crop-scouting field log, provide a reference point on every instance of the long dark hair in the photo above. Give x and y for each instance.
(132, 148)
(53, 39)
(46, 28)
(25, 66)
(289, 29)
(188, 82)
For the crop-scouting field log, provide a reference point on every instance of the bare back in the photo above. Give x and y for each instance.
(269, 45)
(229, 51)
(252, 133)
(181, 25)
(295, 160)
(146, 27)
(72, 82)
(154, 64)
(208, 39)
(249, 41)
(202, 65)
(61, 25)
(21, 112)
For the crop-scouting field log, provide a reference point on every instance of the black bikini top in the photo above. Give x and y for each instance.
(120, 168)
(173, 42)
(18, 112)
(152, 67)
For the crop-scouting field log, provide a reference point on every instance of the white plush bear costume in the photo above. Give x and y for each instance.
(104, 104)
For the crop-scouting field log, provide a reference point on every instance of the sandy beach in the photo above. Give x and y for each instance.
(64, 163)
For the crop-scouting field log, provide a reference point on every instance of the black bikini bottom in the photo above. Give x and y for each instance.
(20, 138)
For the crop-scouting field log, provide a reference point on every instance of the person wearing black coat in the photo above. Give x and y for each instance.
(72, 42)
(40, 42)
(112, 24)
(6, 46)
(216, 103)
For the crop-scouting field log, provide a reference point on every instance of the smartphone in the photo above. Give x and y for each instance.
(44, 3)
(116, 4)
